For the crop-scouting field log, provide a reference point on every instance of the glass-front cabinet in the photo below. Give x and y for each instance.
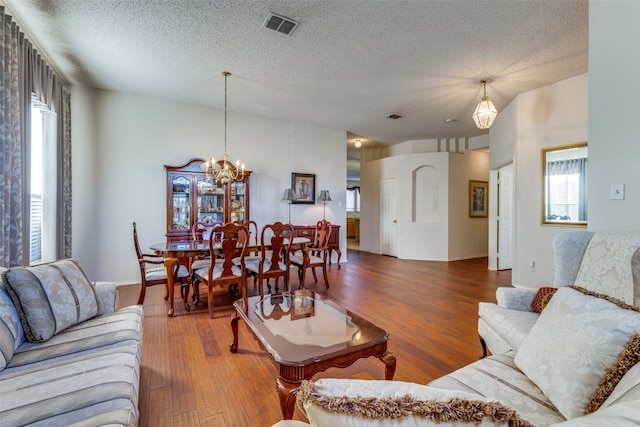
(192, 198)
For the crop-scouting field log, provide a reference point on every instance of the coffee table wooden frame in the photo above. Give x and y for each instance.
(291, 374)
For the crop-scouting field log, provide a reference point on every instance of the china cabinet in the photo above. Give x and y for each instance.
(192, 198)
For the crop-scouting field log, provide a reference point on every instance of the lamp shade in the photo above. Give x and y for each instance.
(324, 196)
(485, 114)
(288, 195)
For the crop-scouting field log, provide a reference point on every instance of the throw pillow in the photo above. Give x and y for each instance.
(542, 298)
(340, 402)
(11, 332)
(51, 297)
(578, 338)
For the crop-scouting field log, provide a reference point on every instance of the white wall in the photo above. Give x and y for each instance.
(468, 237)
(601, 108)
(449, 236)
(551, 116)
(614, 109)
(121, 142)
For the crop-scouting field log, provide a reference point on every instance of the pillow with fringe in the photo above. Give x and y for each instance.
(350, 402)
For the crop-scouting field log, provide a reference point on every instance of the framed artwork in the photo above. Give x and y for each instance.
(478, 199)
(304, 187)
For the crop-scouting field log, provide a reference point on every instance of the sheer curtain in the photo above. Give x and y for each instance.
(571, 167)
(26, 74)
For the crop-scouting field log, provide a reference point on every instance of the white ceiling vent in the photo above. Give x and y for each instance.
(280, 24)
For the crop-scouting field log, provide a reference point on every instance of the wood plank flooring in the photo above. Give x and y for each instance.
(190, 378)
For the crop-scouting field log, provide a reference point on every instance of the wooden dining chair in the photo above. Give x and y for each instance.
(252, 240)
(153, 272)
(201, 230)
(225, 273)
(315, 255)
(274, 261)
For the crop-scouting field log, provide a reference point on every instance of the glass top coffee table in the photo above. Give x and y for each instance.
(306, 334)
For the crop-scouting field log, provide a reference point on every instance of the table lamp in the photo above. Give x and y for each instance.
(324, 198)
(288, 196)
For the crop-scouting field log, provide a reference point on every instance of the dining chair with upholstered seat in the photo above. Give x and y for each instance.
(224, 273)
(274, 261)
(201, 230)
(153, 272)
(253, 247)
(252, 240)
(314, 255)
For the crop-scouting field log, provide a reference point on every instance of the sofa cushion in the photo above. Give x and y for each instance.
(348, 402)
(577, 339)
(11, 332)
(51, 297)
(498, 378)
(70, 391)
(121, 328)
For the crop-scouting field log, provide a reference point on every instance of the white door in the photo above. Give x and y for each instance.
(505, 217)
(388, 188)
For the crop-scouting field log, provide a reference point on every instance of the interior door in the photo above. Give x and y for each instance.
(505, 217)
(388, 199)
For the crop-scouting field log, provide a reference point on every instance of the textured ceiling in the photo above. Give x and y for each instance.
(347, 65)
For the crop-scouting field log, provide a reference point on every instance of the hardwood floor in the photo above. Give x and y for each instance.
(190, 378)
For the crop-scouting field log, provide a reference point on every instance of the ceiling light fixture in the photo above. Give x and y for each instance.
(358, 143)
(223, 171)
(485, 112)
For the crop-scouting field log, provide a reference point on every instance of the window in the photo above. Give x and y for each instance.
(353, 199)
(43, 193)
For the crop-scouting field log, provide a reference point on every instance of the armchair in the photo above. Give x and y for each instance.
(604, 262)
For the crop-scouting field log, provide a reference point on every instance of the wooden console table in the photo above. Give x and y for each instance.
(309, 232)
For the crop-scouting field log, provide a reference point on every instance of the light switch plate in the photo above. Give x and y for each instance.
(617, 191)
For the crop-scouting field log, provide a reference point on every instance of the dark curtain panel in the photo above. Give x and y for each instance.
(25, 74)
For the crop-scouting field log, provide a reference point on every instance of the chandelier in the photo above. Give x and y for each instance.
(223, 171)
(485, 112)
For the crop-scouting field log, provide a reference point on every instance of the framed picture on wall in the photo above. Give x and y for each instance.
(304, 187)
(478, 199)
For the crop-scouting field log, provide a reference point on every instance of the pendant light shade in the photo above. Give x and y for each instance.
(485, 112)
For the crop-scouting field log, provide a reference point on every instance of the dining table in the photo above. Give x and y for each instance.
(174, 251)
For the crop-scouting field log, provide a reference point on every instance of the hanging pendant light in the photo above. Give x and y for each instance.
(223, 171)
(485, 112)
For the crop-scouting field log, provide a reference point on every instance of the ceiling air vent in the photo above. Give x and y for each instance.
(280, 24)
(393, 116)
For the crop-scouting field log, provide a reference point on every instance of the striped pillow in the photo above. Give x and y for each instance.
(11, 333)
(51, 297)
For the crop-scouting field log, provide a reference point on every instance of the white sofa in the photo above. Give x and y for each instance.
(576, 364)
(66, 356)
